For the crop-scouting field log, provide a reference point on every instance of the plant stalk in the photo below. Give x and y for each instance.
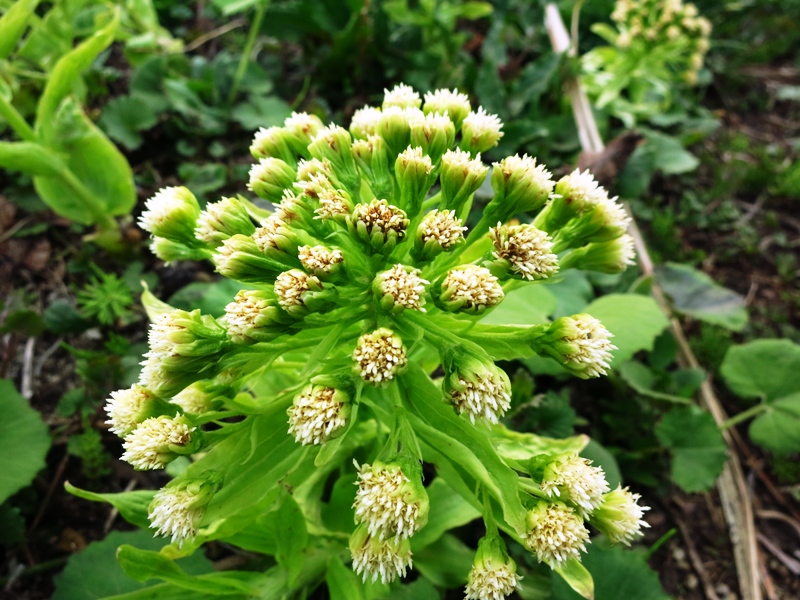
(744, 415)
(248, 49)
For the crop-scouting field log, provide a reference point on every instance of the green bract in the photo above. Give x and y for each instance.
(360, 336)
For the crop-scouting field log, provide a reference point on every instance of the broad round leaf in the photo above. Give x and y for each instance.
(24, 441)
(768, 369)
(778, 428)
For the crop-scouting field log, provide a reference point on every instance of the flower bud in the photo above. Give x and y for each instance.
(320, 261)
(460, 176)
(241, 259)
(158, 441)
(571, 479)
(302, 128)
(307, 169)
(614, 256)
(494, 574)
(255, 316)
(468, 288)
(275, 238)
(402, 96)
(172, 214)
(520, 185)
(476, 387)
(480, 131)
(452, 103)
(575, 194)
(178, 509)
(413, 173)
(298, 293)
(170, 251)
(364, 123)
(522, 252)
(318, 414)
(129, 407)
(439, 231)
(391, 499)
(334, 205)
(379, 224)
(556, 533)
(200, 397)
(580, 343)
(399, 288)
(333, 144)
(608, 220)
(269, 177)
(434, 133)
(379, 559)
(619, 516)
(220, 220)
(372, 157)
(395, 128)
(275, 142)
(379, 356)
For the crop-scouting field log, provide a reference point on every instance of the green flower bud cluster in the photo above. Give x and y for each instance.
(672, 26)
(360, 278)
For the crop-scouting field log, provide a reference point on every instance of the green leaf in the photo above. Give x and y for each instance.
(634, 320)
(463, 443)
(521, 447)
(447, 511)
(66, 72)
(287, 527)
(131, 505)
(446, 562)
(261, 111)
(698, 449)
(768, 369)
(85, 147)
(475, 10)
(694, 293)
(31, 159)
(94, 572)
(342, 582)
(528, 305)
(62, 317)
(643, 380)
(778, 427)
(24, 441)
(13, 24)
(577, 577)
(618, 573)
(124, 117)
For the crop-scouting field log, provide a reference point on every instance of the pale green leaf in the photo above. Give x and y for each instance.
(768, 369)
(342, 582)
(446, 562)
(634, 320)
(529, 305)
(131, 505)
(778, 427)
(24, 441)
(447, 510)
(13, 24)
(577, 577)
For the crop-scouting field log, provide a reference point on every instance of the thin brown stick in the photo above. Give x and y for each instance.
(207, 37)
(790, 563)
(115, 511)
(733, 491)
(694, 558)
(56, 479)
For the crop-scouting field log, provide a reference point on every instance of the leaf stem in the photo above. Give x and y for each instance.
(241, 69)
(744, 415)
(16, 121)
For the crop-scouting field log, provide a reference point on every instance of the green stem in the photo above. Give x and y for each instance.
(16, 121)
(248, 49)
(744, 415)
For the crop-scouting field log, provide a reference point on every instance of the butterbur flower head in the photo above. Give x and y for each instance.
(274, 234)
(253, 316)
(365, 122)
(157, 442)
(317, 414)
(194, 399)
(379, 356)
(177, 510)
(391, 502)
(520, 185)
(620, 517)
(460, 176)
(580, 191)
(127, 408)
(306, 169)
(450, 102)
(613, 256)
(470, 289)
(478, 389)
(221, 220)
(379, 223)
(303, 127)
(376, 559)
(556, 533)
(400, 288)
(273, 142)
(333, 204)
(582, 344)
(572, 478)
(613, 217)
(480, 131)
(395, 127)
(172, 214)
(319, 260)
(434, 134)
(402, 96)
(494, 574)
(525, 250)
(439, 231)
(269, 177)
(292, 286)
